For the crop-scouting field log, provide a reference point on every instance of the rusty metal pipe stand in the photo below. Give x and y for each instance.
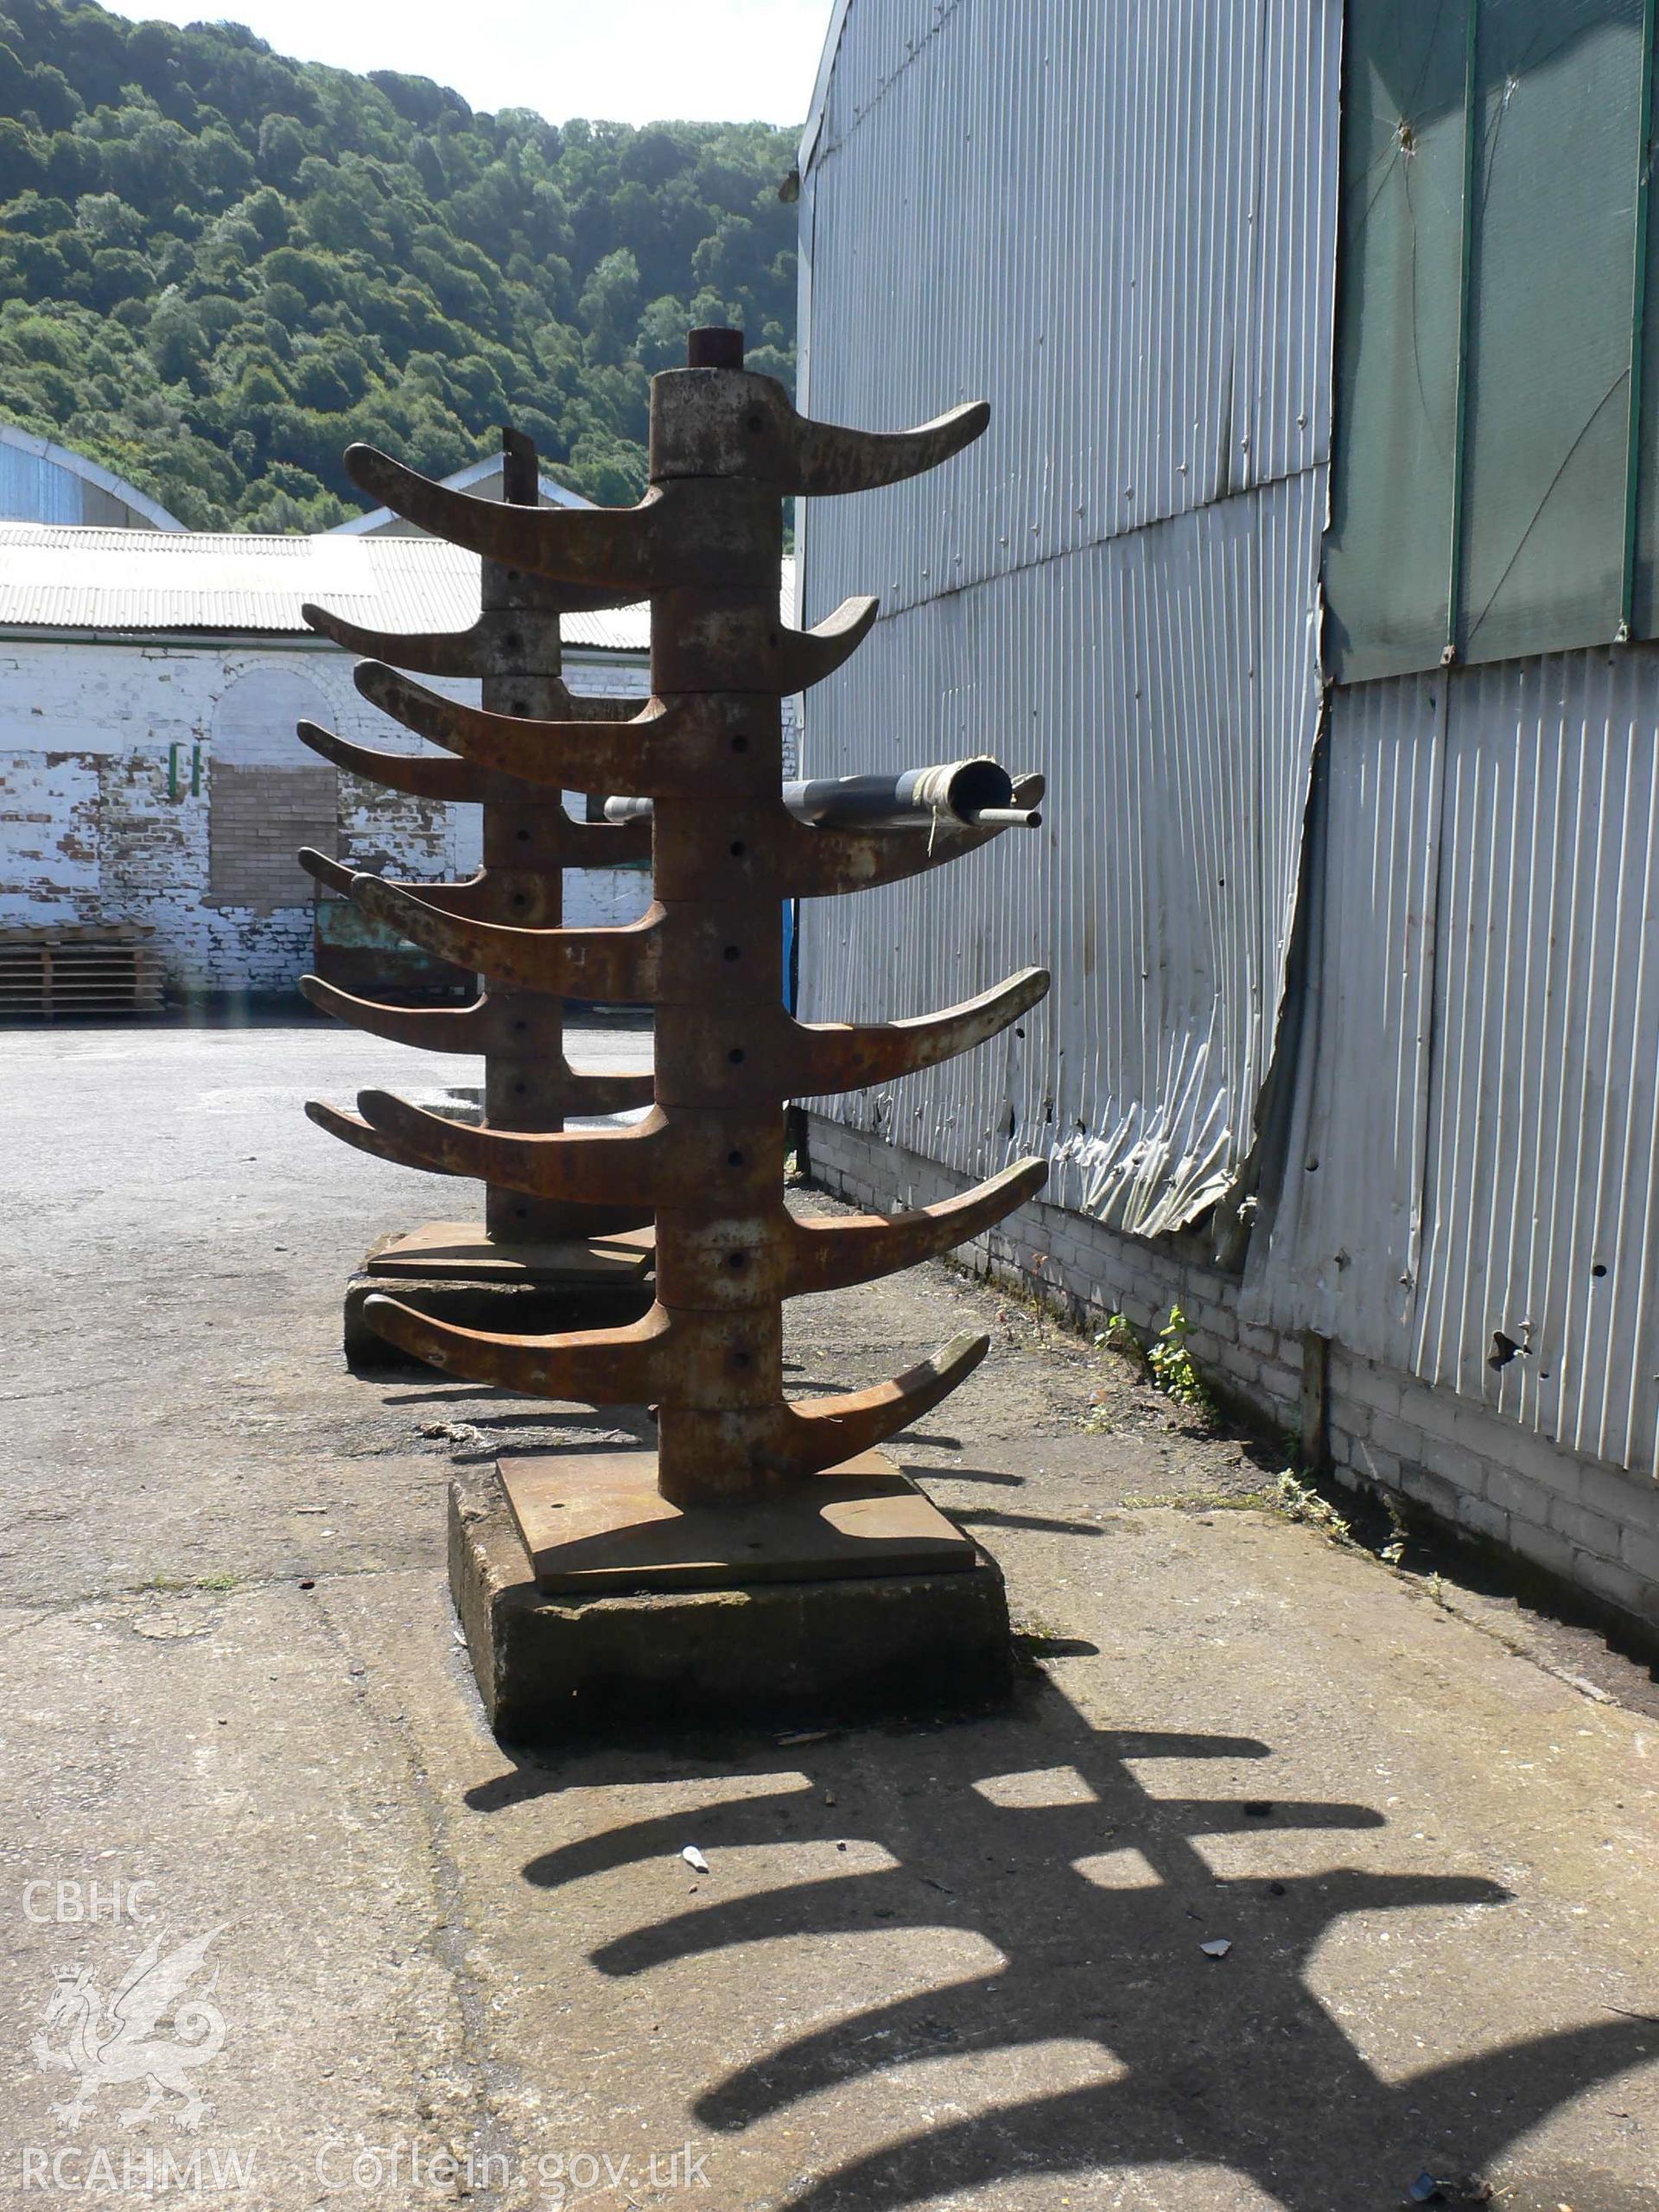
(766, 1556)
(534, 1264)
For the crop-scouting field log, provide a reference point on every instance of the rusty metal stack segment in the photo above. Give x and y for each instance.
(727, 449)
(515, 651)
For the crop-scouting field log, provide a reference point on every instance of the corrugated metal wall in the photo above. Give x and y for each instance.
(1474, 1148)
(1117, 224)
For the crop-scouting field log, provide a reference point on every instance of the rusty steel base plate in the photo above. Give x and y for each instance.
(458, 1250)
(594, 1521)
(599, 1663)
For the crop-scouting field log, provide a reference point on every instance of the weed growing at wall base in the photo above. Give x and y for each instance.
(1171, 1361)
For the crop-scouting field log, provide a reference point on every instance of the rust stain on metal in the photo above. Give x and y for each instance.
(727, 449)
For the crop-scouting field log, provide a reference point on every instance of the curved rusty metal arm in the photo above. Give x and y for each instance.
(810, 655)
(718, 423)
(476, 898)
(830, 1254)
(351, 1129)
(610, 556)
(476, 1028)
(430, 652)
(594, 1367)
(836, 1056)
(420, 775)
(591, 1166)
(828, 459)
(467, 653)
(466, 901)
(735, 641)
(814, 1433)
(460, 783)
(432, 1028)
(578, 756)
(321, 869)
(620, 964)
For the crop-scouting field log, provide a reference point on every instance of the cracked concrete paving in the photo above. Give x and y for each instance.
(952, 1963)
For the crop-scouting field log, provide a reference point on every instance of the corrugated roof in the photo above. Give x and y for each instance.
(53, 576)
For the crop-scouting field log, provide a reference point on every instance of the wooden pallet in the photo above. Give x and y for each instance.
(54, 976)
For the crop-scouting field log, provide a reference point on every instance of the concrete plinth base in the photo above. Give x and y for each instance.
(553, 1667)
(450, 1269)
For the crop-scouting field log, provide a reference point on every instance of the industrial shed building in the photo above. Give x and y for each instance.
(1348, 880)
(41, 482)
(150, 779)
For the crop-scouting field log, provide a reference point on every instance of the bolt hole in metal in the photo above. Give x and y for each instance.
(519, 1027)
(739, 1359)
(736, 1056)
(737, 1261)
(522, 835)
(740, 743)
(733, 1160)
(738, 849)
(734, 952)
(756, 425)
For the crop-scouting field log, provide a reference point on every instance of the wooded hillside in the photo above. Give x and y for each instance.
(218, 266)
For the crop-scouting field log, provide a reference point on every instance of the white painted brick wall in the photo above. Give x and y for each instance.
(89, 833)
(1588, 1524)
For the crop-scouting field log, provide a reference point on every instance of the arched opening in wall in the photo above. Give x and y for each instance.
(267, 796)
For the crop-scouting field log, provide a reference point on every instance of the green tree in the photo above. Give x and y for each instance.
(217, 264)
(609, 306)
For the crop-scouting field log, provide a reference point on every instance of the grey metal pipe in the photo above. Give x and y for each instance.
(978, 794)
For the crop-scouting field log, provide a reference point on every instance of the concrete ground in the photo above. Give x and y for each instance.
(947, 1963)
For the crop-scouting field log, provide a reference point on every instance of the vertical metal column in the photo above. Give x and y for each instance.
(529, 841)
(719, 1254)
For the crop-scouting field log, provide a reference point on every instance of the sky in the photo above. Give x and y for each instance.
(624, 61)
